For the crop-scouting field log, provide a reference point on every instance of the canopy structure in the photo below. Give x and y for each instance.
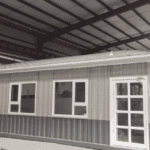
(35, 29)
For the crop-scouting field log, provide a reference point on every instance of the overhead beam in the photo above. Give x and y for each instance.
(106, 15)
(100, 48)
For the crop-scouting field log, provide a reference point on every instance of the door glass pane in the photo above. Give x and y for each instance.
(122, 119)
(137, 120)
(136, 88)
(63, 98)
(80, 110)
(137, 136)
(28, 98)
(14, 93)
(122, 135)
(122, 89)
(122, 103)
(80, 92)
(137, 104)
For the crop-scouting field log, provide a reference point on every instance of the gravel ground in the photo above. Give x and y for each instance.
(15, 144)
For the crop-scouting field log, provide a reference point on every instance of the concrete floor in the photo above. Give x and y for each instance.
(15, 144)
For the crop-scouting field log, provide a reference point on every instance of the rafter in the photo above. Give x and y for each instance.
(100, 48)
(106, 15)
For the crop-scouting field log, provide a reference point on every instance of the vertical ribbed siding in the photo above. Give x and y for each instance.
(98, 93)
(90, 131)
(71, 73)
(44, 93)
(25, 76)
(129, 69)
(148, 87)
(4, 93)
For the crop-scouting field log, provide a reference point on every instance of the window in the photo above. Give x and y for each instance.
(22, 98)
(70, 98)
(128, 112)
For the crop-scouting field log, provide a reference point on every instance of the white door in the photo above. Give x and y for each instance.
(128, 112)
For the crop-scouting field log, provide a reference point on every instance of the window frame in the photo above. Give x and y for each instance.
(19, 98)
(73, 99)
(113, 110)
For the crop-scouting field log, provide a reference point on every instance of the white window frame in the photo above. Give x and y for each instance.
(19, 98)
(113, 125)
(73, 99)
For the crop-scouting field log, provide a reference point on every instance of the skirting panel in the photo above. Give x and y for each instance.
(82, 130)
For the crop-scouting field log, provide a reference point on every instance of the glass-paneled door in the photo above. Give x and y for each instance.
(129, 116)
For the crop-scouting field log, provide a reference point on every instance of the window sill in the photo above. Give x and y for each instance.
(22, 114)
(70, 116)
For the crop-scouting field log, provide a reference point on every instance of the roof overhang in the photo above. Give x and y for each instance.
(76, 62)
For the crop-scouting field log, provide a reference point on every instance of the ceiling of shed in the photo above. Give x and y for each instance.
(40, 29)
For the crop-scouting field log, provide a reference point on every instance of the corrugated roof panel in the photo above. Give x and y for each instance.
(85, 36)
(4, 10)
(137, 46)
(64, 3)
(102, 35)
(33, 12)
(94, 6)
(87, 28)
(143, 9)
(114, 4)
(137, 22)
(82, 13)
(13, 3)
(61, 48)
(124, 47)
(145, 42)
(47, 7)
(146, 16)
(67, 17)
(30, 21)
(71, 38)
(122, 25)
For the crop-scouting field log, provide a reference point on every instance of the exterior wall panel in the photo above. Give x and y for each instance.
(4, 93)
(44, 93)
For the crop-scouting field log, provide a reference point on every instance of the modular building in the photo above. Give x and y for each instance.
(98, 101)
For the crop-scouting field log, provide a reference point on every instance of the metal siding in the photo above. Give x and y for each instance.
(71, 73)
(4, 93)
(129, 69)
(25, 76)
(148, 84)
(44, 94)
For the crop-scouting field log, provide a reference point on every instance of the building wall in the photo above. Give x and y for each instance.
(95, 129)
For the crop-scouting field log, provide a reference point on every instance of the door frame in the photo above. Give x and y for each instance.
(112, 108)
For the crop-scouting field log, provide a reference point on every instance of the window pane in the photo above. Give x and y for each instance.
(122, 103)
(137, 120)
(14, 108)
(80, 110)
(136, 104)
(137, 136)
(122, 135)
(122, 119)
(63, 98)
(122, 89)
(14, 93)
(80, 92)
(28, 98)
(136, 88)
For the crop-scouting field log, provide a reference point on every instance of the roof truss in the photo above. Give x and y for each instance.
(104, 16)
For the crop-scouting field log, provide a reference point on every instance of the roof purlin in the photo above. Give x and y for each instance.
(95, 19)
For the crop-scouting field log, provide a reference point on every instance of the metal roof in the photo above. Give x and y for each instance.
(39, 29)
(91, 60)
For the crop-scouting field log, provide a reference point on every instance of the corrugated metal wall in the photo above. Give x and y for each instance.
(4, 93)
(95, 129)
